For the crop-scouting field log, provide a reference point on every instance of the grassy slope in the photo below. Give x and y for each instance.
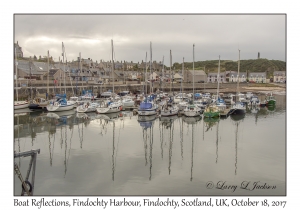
(254, 65)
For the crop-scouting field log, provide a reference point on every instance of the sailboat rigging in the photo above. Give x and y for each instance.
(213, 111)
(168, 109)
(238, 108)
(148, 107)
(113, 106)
(191, 110)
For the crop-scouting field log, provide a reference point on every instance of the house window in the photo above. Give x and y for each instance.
(231, 78)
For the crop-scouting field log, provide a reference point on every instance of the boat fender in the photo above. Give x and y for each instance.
(34, 101)
(29, 186)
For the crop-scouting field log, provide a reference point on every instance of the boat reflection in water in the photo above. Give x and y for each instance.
(147, 124)
(58, 115)
(87, 115)
(167, 125)
(237, 117)
(109, 116)
(210, 122)
(271, 108)
(191, 120)
(146, 118)
(237, 120)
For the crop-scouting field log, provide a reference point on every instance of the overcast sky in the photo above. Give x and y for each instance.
(213, 35)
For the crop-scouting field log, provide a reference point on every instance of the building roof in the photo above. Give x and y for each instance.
(26, 65)
(254, 74)
(235, 74)
(216, 74)
(197, 72)
(279, 73)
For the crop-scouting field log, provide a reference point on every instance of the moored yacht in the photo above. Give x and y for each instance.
(87, 107)
(61, 104)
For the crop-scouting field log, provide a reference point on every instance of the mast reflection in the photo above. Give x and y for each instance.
(237, 119)
(147, 122)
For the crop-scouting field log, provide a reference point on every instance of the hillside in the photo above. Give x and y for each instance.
(254, 65)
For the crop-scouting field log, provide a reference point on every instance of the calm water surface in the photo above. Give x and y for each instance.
(117, 154)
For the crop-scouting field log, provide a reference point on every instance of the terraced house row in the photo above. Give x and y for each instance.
(87, 71)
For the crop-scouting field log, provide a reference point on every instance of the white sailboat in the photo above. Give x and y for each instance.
(18, 104)
(87, 107)
(61, 103)
(147, 107)
(113, 106)
(127, 101)
(169, 109)
(191, 110)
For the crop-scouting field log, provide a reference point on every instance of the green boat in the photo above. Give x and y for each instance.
(211, 112)
(270, 100)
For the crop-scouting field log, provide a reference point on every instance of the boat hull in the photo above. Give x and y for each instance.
(85, 110)
(107, 110)
(211, 114)
(54, 108)
(168, 113)
(36, 107)
(21, 105)
(238, 111)
(146, 112)
(191, 113)
(128, 104)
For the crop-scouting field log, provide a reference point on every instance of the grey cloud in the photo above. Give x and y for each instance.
(213, 35)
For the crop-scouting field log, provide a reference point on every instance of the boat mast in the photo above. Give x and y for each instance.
(48, 75)
(193, 71)
(170, 69)
(172, 77)
(163, 70)
(151, 85)
(182, 78)
(30, 62)
(81, 71)
(238, 82)
(63, 55)
(146, 77)
(16, 60)
(218, 78)
(112, 58)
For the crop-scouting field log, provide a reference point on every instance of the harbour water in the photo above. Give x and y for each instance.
(122, 154)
